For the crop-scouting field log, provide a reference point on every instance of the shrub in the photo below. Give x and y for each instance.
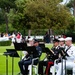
(5, 43)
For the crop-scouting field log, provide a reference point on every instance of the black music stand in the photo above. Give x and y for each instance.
(12, 53)
(20, 47)
(6, 54)
(42, 45)
(33, 53)
(47, 51)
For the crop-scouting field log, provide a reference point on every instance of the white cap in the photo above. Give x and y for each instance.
(61, 39)
(68, 38)
(30, 39)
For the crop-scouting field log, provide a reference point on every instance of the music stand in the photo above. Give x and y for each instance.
(33, 53)
(12, 53)
(20, 47)
(42, 45)
(6, 54)
(47, 51)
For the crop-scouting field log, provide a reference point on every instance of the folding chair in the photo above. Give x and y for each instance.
(33, 66)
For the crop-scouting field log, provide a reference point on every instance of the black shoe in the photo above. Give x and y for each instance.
(26, 73)
(50, 73)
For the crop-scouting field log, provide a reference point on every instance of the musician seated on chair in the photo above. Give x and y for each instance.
(55, 51)
(62, 48)
(23, 65)
(62, 42)
(69, 62)
(29, 43)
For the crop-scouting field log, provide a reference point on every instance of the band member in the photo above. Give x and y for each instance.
(62, 42)
(62, 46)
(54, 55)
(29, 43)
(25, 63)
(69, 63)
(60, 59)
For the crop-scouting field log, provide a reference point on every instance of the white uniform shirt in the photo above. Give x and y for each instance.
(63, 46)
(25, 52)
(71, 53)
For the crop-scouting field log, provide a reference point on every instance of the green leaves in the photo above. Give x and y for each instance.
(38, 14)
(41, 14)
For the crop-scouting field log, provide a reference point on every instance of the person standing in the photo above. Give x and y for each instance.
(47, 37)
(13, 36)
(18, 37)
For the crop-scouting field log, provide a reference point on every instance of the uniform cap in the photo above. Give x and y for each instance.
(55, 40)
(61, 39)
(30, 39)
(68, 38)
(35, 40)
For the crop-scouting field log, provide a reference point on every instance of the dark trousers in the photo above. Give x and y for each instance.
(23, 65)
(40, 66)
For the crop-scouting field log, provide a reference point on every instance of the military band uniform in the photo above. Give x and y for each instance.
(70, 64)
(50, 60)
(57, 51)
(25, 63)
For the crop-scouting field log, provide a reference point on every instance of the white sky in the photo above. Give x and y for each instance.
(65, 1)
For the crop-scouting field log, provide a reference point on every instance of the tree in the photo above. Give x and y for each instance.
(71, 4)
(5, 6)
(41, 14)
(1, 17)
(46, 15)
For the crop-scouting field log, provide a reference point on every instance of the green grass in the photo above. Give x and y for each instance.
(3, 62)
(16, 60)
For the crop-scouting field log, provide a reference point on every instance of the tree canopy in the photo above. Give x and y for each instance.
(37, 14)
(5, 6)
(42, 14)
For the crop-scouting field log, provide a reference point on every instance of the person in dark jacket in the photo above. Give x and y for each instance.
(25, 63)
(54, 54)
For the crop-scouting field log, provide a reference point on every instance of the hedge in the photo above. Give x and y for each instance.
(5, 43)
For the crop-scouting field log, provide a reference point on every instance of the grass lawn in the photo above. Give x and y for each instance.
(16, 60)
(3, 61)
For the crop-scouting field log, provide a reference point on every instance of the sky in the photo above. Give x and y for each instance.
(65, 1)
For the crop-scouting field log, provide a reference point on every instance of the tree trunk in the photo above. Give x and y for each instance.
(29, 33)
(6, 20)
